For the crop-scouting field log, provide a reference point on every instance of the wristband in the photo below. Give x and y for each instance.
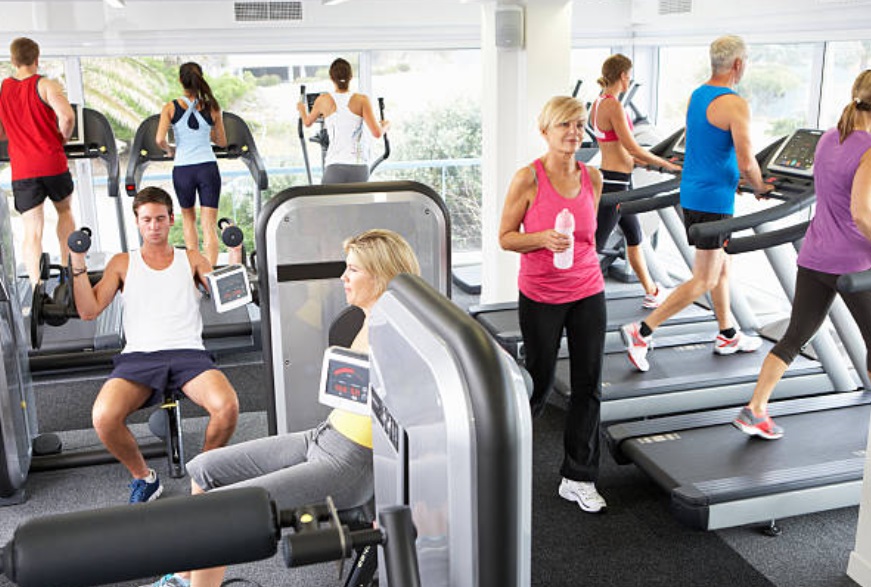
(77, 272)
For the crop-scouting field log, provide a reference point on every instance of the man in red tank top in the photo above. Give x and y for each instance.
(36, 119)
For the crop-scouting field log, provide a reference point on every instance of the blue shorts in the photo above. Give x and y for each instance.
(161, 370)
(202, 178)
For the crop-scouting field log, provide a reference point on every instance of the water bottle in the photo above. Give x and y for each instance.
(565, 224)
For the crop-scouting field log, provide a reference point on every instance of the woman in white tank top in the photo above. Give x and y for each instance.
(345, 114)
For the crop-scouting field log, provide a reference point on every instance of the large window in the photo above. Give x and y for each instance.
(844, 61)
(433, 100)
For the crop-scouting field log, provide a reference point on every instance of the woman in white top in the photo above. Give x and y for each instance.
(344, 114)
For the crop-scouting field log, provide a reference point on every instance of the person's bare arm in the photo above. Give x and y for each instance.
(617, 117)
(375, 126)
(596, 180)
(517, 202)
(737, 113)
(91, 301)
(163, 129)
(318, 109)
(199, 267)
(860, 196)
(219, 134)
(55, 97)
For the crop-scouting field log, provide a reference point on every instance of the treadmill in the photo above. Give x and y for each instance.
(685, 375)
(236, 330)
(77, 340)
(718, 477)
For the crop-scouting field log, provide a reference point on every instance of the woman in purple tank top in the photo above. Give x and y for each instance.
(550, 219)
(838, 241)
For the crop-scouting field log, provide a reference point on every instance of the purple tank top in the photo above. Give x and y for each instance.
(833, 243)
(538, 279)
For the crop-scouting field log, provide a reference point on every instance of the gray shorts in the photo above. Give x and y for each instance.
(345, 173)
(296, 469)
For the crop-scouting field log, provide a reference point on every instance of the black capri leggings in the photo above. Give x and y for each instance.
(609, 216)
(814, 293)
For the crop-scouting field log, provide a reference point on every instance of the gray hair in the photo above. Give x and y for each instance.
(724, 52)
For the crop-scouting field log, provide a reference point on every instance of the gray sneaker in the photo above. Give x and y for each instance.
(749, 423)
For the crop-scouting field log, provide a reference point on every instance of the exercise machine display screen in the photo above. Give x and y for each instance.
(796, 155)
(310, 100)
(78, 136)
(345, 380)
(230, 287)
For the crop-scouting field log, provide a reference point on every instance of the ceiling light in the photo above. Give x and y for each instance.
(116, 3)
(332, 2)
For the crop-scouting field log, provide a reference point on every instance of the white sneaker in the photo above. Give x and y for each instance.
(636, 345)
(740, 343)
(584, 494)
(654, 300)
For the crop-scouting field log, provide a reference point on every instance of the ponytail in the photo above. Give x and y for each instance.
(612, 68)
(191, 76)
(860, 102)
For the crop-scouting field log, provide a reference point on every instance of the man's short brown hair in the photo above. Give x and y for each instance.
(23, 51)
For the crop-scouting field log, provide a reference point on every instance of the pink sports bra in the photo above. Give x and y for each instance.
(608, 136)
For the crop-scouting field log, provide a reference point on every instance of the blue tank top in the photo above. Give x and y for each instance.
(710, 170)
(193, 135)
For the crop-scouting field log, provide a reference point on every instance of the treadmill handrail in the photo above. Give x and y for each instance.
(664, 200)
(721, 228)
(855, 282)
(641, 193)
(766, 240)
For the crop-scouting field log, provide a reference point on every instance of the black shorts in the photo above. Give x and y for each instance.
(161, 370)
(31, 192)
(691, 217)
(201, 178)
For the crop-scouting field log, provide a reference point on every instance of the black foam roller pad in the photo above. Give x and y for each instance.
(143, 540)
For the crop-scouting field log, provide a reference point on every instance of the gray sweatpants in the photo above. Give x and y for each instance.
(296, 469)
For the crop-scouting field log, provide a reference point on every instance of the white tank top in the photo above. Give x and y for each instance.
(161, 309)
(349, 141)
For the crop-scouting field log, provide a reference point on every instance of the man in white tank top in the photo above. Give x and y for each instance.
(163, 332)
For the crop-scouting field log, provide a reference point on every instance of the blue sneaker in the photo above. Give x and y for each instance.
(141, 491)
(170, 581)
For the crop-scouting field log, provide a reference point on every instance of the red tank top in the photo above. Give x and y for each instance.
(605, 136)
(538, 279)
(36, 147)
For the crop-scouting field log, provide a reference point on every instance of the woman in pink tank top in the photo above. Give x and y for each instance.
(550, 219)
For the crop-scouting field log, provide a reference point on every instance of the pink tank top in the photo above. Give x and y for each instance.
(538, 279)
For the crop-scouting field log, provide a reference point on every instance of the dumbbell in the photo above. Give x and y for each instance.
(79, 241)
(231, 234)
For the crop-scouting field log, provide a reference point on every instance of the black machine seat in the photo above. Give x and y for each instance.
(240, 145)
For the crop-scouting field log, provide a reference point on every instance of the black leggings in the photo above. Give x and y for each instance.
(814, 293)
(609, 216)
(542, 326)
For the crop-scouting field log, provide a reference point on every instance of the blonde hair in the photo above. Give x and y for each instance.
(383, 254)
(860, 100)
(612, 68)
(561, 109)
(724, 52)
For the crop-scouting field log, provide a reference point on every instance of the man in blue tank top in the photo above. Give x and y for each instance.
(718, 155)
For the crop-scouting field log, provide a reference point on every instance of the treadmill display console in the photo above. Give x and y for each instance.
(345, 380)
(680, 147)
(795, 156)
(78, 135)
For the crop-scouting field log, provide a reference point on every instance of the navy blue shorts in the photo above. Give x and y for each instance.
(31, 192)
(161, 370)
(715, 242)
(203, 179)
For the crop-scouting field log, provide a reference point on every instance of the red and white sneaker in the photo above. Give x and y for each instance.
(740, 343)
(636, 345)
(753, 425)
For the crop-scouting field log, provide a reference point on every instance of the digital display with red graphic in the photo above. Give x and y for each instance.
(345, 380)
